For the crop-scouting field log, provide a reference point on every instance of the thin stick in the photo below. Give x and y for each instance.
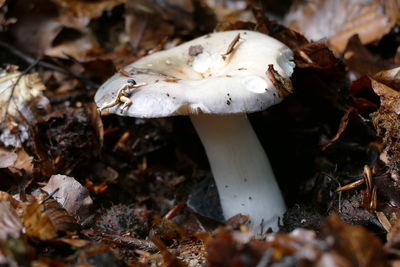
(351, 185)
(231, 46)
(174, 210)
(51, 195)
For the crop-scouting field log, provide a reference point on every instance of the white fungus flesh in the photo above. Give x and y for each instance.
(216, 89)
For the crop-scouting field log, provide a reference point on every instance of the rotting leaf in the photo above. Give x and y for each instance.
(147, 23)
(393, 237)
(21, 95)
(7, 159)
(229, 14)
(223, 250)
(81, 49)
(16, 252)
(339, 20)
(37, 223)
(315, 55)
(59, 217)
(71, 195)
(4, 21)
(390, 77)
(354, 244)
(10, 224)
(359, 60)
(37, 25)
(321, 76)
(22, 160)
(77, 13)
(240, 248)
(387, 119)
(288, 36)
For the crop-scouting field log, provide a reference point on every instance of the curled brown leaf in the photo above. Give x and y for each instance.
(10, 224)
(339, 20)
(37, 223)
(71, 195)
(387, 119)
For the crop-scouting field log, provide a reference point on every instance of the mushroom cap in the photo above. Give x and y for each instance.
(195, 78)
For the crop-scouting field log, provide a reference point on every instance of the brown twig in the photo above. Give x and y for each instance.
(342, 126)
(131, 242)
(128, 241)
(351, 185)
(174, 210)
(231, 46)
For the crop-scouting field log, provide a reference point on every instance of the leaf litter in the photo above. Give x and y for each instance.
(80, 189)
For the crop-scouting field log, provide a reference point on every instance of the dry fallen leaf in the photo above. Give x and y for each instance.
(37, 223)
(149, 22)
(78, 13)
(338, 20)
(36, 25)
(78, 243)
(20, 96)
(71, 195)
(17, 90)
(18, 159)
(390, 77)
(393, 236)
(224, 251)
(4, 21)
(361, 61)
(81, 49)
(10, 224)
(386, 120)
(229, 12)
(353, 245)
(59, 217)
(7, 159)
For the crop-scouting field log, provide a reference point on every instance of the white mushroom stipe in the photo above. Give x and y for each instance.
(244, 177)
(216, 90)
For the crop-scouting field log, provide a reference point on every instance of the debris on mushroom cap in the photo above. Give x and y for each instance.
(219, 73)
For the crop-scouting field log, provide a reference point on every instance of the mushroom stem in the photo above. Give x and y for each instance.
(245, 181)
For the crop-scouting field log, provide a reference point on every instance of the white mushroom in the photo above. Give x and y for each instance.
(216, 79)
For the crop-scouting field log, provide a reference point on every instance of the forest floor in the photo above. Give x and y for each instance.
(80, 188)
